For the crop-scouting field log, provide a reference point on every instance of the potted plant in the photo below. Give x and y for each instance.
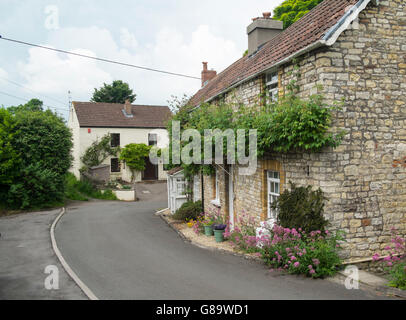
(208, 227)
(219, 230)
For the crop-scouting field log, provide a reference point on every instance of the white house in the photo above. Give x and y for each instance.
(126, 124)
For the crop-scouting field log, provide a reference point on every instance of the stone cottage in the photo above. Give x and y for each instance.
(357, 51)
(126, 124)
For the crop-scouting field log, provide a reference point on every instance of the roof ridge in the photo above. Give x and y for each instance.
(112, 103)
(304, 34)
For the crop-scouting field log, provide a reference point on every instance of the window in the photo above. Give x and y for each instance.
(217, 187)
(274, 186)
(115, 165)
(272, 82)
(216, 190)
(152, 139)
(180, 186)
(115, 140)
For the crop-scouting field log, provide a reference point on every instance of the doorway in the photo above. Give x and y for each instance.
(150, 172)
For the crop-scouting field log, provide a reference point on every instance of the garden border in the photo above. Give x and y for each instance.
(340, 275)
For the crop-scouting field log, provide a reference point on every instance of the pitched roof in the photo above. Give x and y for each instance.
(175, 171)
(313, 27)
(110, 115)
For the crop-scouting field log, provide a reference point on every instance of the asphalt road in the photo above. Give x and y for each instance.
(25, 252)
(124, 251)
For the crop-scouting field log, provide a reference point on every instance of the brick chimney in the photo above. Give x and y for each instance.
(128, 108)
(207, 75)
(261, 30)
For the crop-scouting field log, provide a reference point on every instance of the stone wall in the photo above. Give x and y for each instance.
(364, 178)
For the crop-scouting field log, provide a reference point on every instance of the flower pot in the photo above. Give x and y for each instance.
(208, 231)
(219, 235)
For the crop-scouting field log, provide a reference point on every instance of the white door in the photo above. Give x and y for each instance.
(231, 197)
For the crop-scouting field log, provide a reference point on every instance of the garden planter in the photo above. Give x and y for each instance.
(219, 235)
(208, 231)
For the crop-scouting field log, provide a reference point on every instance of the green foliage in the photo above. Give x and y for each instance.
(291, 11)
(99, 151)
(297, 252)
(397, 275)
(9, 157)
(43, 144)
(301, 208)
(117, 92)
(291, 124)
(134, 155)
(36, 187)
(72, 186)
(32, 105)
(81, 190)
(188, 211)
(43, 138)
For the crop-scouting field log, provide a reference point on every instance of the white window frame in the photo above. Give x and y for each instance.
(217, 187)
(273, 195)
(180, 184)
(272, 84)
(216, 201)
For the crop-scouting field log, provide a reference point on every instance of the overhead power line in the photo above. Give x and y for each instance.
(20, 85)
(100, 59)
(26, 100)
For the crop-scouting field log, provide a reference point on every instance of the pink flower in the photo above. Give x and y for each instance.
(310, 267)
(375, 257)
(316, 262)
(390, 264)
(297, 264)
(312, 271)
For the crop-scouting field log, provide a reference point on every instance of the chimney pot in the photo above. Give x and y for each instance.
(207, 74)
(267, 15)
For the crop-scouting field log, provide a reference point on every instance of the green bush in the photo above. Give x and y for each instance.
(36, 187)
(38, 160)
(189, 211)
(81, 190)
(301, 207)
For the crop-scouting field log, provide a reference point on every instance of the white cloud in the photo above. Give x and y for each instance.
(170, 49)
(3, 75)
(49, 72)
(127, 39)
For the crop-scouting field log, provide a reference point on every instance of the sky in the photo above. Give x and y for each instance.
(175, 36)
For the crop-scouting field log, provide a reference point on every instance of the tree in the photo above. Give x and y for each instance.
(32, 105)
(9, 157)
(117, 92)
(135, 155)
(44, 144)
(291, 11)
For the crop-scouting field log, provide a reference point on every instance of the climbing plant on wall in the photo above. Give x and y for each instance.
(99, 151)
(135, 156)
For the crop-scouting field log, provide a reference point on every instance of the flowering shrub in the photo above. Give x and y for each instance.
(243, 237)
(394, 266)
(314, 254)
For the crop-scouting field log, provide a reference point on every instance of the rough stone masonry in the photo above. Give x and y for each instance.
(364, 178)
